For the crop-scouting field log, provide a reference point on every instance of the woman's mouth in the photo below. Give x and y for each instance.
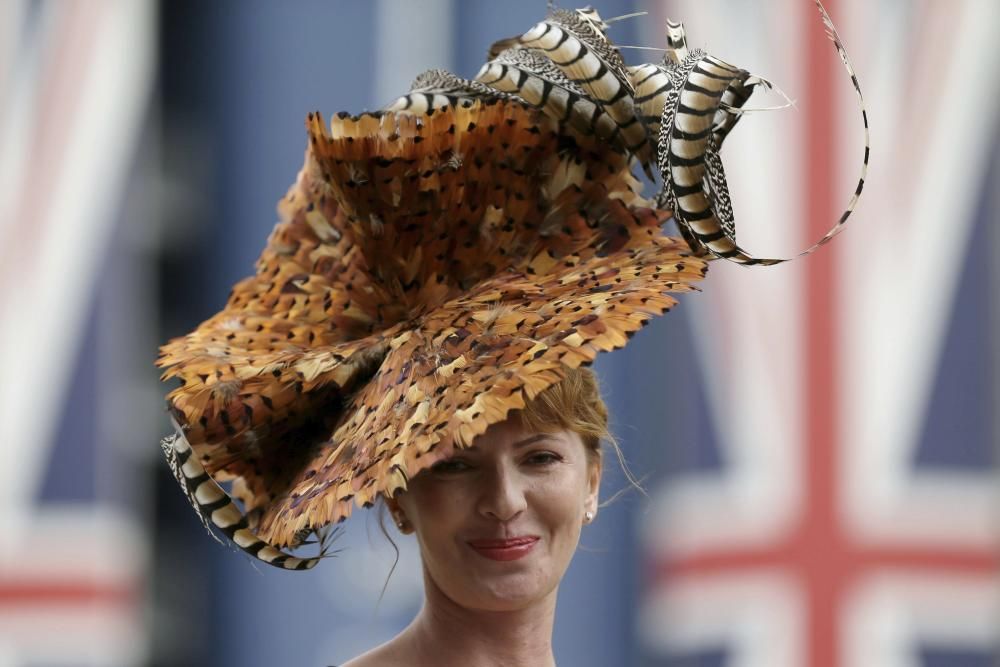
(506, 549)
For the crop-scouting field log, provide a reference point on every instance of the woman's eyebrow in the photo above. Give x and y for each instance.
(530, 440)
(533, 439)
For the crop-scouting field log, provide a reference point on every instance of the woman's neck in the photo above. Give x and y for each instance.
(447, 635)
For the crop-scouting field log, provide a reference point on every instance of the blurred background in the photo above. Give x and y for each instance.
(819, 441)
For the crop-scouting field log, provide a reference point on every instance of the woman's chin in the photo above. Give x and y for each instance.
(511, 591)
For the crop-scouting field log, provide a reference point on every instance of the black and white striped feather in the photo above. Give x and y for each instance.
(217, 509)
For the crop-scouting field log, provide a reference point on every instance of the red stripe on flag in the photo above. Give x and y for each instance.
(821, 353)
(837, 558)
(54, 592)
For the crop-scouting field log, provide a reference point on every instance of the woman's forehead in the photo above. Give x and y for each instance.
(514, 435)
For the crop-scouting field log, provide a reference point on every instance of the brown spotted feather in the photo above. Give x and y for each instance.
(402, 232)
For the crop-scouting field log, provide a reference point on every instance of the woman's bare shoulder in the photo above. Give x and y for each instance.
(387, 655)
(365, 660)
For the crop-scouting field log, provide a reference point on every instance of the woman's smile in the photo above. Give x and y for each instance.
(508, 549)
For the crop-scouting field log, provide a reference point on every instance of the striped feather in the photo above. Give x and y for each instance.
(651, 83)
(700, 108)
(686, 136)
(831, 32)
(533, 79)
(216, 508)
(438, 89)
(589, 60)
(676, 42)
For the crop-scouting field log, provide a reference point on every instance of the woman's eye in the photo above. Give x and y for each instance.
(450, 466)
(543, 458)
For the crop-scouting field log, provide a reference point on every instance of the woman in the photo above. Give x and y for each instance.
(416, 327)
(497, 525)
(328, 383)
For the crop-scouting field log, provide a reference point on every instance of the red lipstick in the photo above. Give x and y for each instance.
(506, 549)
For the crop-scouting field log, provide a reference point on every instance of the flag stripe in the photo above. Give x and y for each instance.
(821, 350)
(19, 592)
(58, 97)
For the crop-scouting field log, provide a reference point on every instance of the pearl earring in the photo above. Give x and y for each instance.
(589, 516)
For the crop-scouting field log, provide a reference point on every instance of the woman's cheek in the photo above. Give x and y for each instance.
(442, 510)
(560, 503)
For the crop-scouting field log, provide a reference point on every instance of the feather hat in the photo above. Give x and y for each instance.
(439, 263)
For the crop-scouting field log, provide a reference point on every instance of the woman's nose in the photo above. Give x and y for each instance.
(501, 495)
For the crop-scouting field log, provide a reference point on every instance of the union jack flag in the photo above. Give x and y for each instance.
(841, 507)
(74, 83)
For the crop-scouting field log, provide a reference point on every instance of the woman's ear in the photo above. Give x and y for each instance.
(594, 469)
(398, 516)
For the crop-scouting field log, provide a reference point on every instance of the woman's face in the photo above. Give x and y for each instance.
(498, 522)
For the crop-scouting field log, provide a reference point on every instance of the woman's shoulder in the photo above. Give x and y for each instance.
(386, 655)
(367, 660)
